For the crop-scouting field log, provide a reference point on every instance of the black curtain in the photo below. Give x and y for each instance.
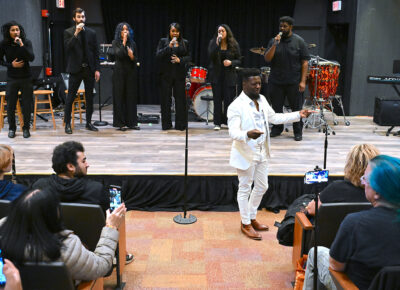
(252, 22)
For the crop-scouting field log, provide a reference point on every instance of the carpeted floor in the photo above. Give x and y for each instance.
(209, 254)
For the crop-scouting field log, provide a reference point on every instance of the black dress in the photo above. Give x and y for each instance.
(223, 79)
(124, 85)
(172, 76)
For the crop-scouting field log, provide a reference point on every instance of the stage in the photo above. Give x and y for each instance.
(150, 163)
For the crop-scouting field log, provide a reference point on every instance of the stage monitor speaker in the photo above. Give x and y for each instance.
(387, 112)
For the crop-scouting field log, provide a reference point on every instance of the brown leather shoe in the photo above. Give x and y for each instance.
(259, 227)
(250, 232)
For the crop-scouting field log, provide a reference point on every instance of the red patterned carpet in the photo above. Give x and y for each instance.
(209, 254)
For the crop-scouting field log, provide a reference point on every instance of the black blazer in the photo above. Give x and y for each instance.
(122, 59)
(215, 67)
(164, 53)
(74, 49)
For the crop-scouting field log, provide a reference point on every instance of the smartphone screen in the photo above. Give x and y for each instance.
(2, 277)
(115, 196)
(316, 176)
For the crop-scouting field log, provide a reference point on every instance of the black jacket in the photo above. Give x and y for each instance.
(74, 49)
(76, 190)
(122, 59)
(215, 67)
(164, 53)
(14, 51)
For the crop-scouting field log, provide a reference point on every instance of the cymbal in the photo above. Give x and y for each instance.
(259, 50)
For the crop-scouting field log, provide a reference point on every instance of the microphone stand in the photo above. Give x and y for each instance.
(179, 219)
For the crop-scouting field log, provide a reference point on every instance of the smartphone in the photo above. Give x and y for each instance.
(115, 197)
(2, 277)
(318, 176)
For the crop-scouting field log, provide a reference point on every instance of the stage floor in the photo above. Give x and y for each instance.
(152, 151)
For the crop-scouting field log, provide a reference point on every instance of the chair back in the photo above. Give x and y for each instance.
(85, 220)
(45, 276)
(387, 278)
(331, 215)
(4, 208)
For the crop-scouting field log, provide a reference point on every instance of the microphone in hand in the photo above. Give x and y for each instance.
(18, 40)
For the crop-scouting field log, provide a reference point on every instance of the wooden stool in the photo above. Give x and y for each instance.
(77, 106)
(38, 101)
(3, 111)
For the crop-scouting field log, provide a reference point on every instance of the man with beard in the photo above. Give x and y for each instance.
(82, 64)
(248, 118)
(70, 182)
(288, 55)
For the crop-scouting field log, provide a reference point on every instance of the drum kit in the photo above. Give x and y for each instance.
(200, 93)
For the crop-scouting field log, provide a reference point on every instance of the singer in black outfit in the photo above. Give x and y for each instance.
(224, 54)
(288, 55)
(124, 78)
(83, 63)
(18, 52)
(173, 55)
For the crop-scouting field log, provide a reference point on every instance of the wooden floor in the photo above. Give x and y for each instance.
(152, 151)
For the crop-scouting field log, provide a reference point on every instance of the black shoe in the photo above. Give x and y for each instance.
(11, 134)
(134, 127)
(90, 127)
(25, 133)
(68, 129)
(274, 134)
(167, 128)
(298, 137)
(121, 129)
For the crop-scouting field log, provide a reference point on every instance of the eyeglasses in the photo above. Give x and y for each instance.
(364, 179)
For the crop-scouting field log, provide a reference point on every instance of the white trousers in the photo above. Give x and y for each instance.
(248, 199)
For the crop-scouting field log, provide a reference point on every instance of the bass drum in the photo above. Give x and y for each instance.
(200, 105)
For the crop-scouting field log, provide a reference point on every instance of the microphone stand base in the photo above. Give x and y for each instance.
(179, 219)
(100, 123)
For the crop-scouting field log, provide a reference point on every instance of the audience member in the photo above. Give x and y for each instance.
(8, 190)
(34, 232)
(70, 182)
(350, 189)
(368, 240)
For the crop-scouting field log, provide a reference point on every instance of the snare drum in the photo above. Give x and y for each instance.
(328, 79)
(198, 74)
(200, 106)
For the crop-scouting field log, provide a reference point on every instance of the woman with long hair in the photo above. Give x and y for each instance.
(33, 232)
(125, 78)
(350, 188)
(224, 54)
(18, 52)
(8, 190)
(173, 55)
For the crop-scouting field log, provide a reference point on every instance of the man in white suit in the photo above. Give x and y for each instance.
(248, 117)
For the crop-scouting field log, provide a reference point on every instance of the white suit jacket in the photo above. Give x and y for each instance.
(241, 120)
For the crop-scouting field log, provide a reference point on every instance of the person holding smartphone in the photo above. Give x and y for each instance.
(125, 79)
(15, 53)
(173, 54)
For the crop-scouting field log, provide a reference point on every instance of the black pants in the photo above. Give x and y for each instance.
(73, 85)
(124, 98)
(277, 94)
(225, 93)
(26, 87)
(178, 84)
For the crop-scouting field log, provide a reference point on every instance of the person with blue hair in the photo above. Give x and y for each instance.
(368, 240)
(125, 79)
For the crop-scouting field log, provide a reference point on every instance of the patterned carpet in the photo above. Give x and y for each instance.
(209, 254)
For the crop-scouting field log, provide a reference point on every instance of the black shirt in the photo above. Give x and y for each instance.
(342, 191)
(14, 51)
(286, 63)
(367, 241)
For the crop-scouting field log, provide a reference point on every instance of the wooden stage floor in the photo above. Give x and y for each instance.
(152, 151)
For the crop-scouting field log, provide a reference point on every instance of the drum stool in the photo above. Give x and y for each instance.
(3, 112)
(46, 100)
(208, 99)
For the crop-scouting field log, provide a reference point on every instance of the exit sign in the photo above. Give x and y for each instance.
(60, 3)
(336, 5)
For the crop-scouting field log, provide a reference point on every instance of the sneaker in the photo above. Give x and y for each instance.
(128, 259)
(217, 128)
